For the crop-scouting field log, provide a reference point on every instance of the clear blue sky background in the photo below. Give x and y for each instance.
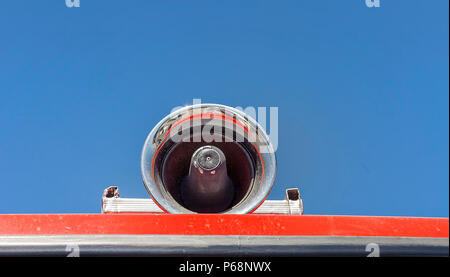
(363, 96)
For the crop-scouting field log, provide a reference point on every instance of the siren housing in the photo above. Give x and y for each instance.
(208, 158)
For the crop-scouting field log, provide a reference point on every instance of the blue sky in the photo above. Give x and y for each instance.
(363, 96)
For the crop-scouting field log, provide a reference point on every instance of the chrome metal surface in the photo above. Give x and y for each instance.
(147, 205)
(182, 245)
(112, 203)
(160, 135)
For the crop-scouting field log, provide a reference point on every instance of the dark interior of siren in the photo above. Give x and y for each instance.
(174, 162)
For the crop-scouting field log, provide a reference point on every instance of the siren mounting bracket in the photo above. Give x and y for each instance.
(113, 203)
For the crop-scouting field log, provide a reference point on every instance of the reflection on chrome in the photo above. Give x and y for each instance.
(169, 149)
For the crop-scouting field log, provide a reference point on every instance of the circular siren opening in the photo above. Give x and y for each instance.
(235, 171)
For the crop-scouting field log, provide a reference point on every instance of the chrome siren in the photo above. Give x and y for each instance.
(208, 158)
